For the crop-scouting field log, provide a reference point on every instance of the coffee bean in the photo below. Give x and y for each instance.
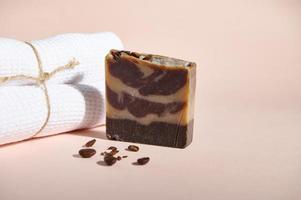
(118, 158)
(112, 148)
(133, 148)
(143, 161)
(110, 160)
(86, 153)
(124, 156)
(102, 153)
(90, 143)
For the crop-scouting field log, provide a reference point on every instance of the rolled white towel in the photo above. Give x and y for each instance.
(76, 96)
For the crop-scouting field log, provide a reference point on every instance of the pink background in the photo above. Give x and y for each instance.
(248, 106)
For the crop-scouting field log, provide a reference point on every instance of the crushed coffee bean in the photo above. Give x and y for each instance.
(90, 143)
(124, 156)
(118, 158)
(113, 152)
(87, 153)
(112, 148)
(143, 161)
(110, 160)
(133, 148)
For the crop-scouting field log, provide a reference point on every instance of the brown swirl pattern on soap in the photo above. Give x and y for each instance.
(141, 107)
(160, 82)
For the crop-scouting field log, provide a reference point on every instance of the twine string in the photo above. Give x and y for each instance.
(41, 81)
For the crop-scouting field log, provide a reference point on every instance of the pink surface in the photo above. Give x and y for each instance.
(248, 109)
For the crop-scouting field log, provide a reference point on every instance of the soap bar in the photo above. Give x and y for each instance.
(149, 98)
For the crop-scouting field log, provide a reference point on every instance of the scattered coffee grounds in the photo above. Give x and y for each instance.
(109, 157)
(90, 143)
(112, 148)
(110, 160)
(87, 153)
(133, 148)
(143, 161)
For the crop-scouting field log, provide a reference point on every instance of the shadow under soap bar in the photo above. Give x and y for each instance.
(149, 99)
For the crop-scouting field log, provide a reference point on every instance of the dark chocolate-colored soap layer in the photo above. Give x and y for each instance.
(141, 107)
(156, 133)
(160, 82)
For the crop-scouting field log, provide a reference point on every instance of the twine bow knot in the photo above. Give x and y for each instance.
(45, 76)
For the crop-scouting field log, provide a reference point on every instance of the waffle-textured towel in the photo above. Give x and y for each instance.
(76, 96)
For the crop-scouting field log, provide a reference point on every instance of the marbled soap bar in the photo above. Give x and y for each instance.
(149, 99)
